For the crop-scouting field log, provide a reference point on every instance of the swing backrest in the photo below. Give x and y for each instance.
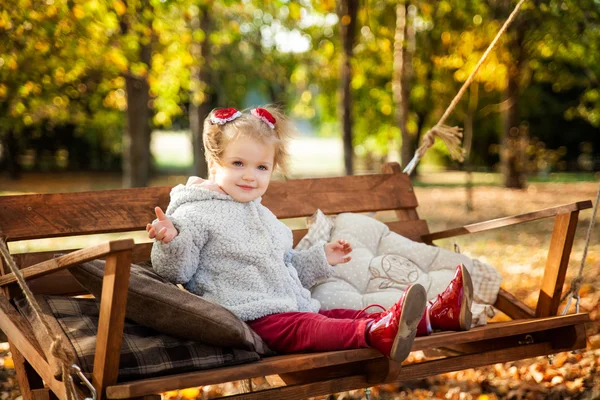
(37, 216)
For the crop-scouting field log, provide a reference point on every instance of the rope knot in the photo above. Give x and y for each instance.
(450, 135)
(576, 284)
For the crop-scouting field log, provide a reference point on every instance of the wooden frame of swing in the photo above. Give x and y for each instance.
(55, 215)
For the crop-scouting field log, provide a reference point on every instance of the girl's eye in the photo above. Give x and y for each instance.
(263, 168)
(237, 163)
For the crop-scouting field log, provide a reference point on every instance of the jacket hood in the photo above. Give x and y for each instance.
(182, 194)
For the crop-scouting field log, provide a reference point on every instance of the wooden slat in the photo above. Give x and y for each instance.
(68, 260)
(267, 366)
(513, 307)
(498, 330)
(561, 336)
(20, 335)
(403, 214)
(37, 216)
(507, 221)
(41, 394)
(140, 252)
(557, 263)
(111, 321)
(414, 230)
(61, 282)
(301, 362)
(28, 379)
(384, 372)
(301, 197)
(411, 372)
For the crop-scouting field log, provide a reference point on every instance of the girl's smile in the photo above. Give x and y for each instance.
(246, 187)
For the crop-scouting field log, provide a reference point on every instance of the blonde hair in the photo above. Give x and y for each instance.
(216, 137)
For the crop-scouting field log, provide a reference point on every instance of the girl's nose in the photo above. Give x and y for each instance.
(248, 176)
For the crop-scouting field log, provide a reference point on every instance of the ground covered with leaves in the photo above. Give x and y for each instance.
(519, 253)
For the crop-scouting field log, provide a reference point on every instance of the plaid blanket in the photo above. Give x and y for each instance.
(145, 353)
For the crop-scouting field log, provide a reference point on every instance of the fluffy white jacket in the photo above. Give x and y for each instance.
(238, 255)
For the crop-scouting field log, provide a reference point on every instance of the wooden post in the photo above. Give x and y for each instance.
(111, 320)
(556, 264)
(409, 214)
(30, 382)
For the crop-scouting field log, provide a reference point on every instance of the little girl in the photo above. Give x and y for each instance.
(221, 243)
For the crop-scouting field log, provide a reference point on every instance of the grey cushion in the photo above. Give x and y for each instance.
(154, 302)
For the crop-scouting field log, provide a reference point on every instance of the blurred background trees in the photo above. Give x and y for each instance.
(85, 83)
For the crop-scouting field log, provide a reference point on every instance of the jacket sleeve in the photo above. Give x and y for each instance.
(311, 264)
(178, 260)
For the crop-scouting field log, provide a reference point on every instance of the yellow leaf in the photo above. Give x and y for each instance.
(12, 63)
(594, 341)
(42, 46)
(190, 393)
(78, 12)
(51, 11)
(9, 363)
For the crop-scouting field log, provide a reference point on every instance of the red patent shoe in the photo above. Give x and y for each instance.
(394, 330)
(451, 311)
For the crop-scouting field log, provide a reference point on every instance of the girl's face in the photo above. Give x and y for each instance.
(245, 172)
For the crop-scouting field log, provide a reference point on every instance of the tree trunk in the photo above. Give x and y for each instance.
(200, 103)
(347, 12)
(136, 140)
(468, 141)
(511, 152)
(11, 155)
(423, 114)
(404, 39)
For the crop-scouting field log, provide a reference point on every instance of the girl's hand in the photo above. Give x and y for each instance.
(336, 252)
(162, 229)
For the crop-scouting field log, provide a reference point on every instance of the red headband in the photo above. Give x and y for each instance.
(224, 115)
(265, 116)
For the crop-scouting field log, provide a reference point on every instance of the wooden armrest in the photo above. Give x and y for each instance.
(507, 221)
(513, 307)
(69, 260)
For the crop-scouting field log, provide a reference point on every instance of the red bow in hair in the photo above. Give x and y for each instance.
(265, 116)
(224, 115)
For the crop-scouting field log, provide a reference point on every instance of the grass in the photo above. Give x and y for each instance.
(312, 157)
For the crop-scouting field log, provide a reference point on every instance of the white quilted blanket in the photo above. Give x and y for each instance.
(384, 263)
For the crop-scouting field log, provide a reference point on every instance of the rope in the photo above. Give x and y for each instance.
(578, 280)
(451, 135)
(56, 348)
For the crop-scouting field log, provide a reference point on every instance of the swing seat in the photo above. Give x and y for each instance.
(530, 333)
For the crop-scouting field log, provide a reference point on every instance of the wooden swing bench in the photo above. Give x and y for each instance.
(530, 333)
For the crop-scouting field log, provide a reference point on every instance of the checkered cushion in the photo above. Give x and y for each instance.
(145, 353)
(486, 284)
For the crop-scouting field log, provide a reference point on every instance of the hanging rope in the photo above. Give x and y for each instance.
(451, 136)
(578, 280)
(56, 348)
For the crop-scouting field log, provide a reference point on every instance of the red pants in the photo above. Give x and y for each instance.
(292, 332)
